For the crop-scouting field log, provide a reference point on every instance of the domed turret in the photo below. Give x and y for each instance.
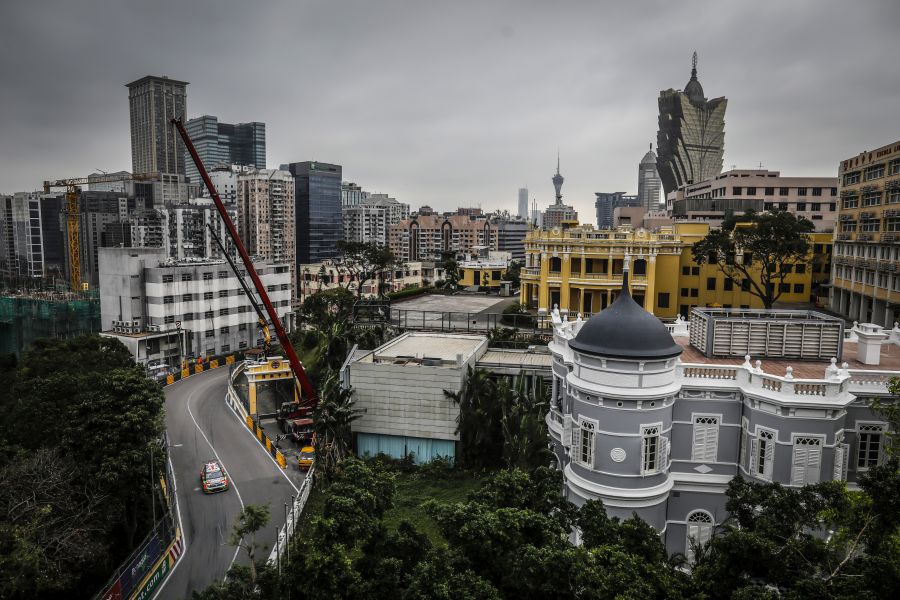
(625, 330)
(649, 158)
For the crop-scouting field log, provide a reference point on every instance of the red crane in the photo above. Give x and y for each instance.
(309, 394)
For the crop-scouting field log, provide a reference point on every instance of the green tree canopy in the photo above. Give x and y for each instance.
(758, 248)
(366, 261)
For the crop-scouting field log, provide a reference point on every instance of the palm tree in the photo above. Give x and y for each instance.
(478, 423)
(331, 420)
(523, 425)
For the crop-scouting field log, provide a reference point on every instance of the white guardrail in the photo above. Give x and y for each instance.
(292, 515)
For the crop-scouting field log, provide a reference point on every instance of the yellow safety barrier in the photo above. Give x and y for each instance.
(185, 373)
(279, 457)
(198, 369)
(268, 444)
(249, 420)
(259, 433)
(214, 363)
(170, 379)
(229, 360)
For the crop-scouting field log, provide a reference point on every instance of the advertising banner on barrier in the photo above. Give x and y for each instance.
(158, 576)
(140, 566)
(113, 593)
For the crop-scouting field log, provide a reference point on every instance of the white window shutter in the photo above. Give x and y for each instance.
(663, 453)
(814, 464)
(712, 441)
(846, 462)
(698, 451)
(837, 472)
(754, 455)
(567, 432)
(770, 459)
(798, 465)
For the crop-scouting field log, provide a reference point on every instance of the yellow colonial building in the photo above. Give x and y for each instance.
(580, 270)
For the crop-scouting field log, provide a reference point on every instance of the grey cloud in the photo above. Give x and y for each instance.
(452, 103)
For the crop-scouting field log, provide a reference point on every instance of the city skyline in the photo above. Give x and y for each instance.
(468, 100)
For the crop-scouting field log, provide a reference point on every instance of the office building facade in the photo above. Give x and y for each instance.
(224, 144)
(649, 184)
(352, 194)
(156, 146)
(317, 208)
(607, 202)
(523, 203)
(430, 236)
(737, 191)
(866, 278)
(690, 142)
(370, 220)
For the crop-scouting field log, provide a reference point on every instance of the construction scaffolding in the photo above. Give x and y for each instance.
(30, 315)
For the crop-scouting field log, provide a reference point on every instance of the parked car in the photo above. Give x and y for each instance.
(306, 457)
(213, 477)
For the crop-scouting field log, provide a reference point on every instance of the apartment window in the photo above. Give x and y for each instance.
(243, 344)
(782, 206)
(798, 288)
(695, 270)
(698, 533)
(186, 297)
(242, 327)
(851, 178)
(894, 167)
(764, 453)
(168, 299)
(745, 285)
(710, 283)
(751, 191)
(737, 191)
(285, 286)
(226, 348)
(782, 191)
(685, 292)
(770, 191)
(784, 287)
(207, 276)
(167, 278)
(695, 292)
(850, 202)
(817, 191)
(223, 274)
(208, 314)
(768, 206)
(893, 196)
(169, 319)
(270, 288)
(801, 191)
(685, 270)
(225, 329)
(869, 437)
(207, 295)
(874, 172)
(223, 312)
(806, 463)
(652, 451)
(815, 206)
(871, 199)
(800, 268)
(223, 293)
(188, 317)
(706, 438)
(586, 443)
(662, 300)
(209, 333)
(187, 277)
(729, 285)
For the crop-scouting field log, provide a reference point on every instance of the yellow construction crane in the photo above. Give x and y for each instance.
(73, 225)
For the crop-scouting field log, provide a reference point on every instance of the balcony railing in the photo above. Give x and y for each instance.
(784, 387)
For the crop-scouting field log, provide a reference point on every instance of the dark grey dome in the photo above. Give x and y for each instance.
(694, 90)
(625, 330)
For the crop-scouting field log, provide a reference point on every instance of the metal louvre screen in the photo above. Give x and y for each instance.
(798, 334)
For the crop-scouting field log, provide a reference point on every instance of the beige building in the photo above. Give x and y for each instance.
(330, 274)
(427, 236)
(738, 191)
(865, 275)
(265, 200)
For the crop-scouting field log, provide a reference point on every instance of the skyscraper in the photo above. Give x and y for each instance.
(155, 145)
(607, 202)
(224, 144)
(523, 203)
(648, 182)
(691, 137)
(319, 226)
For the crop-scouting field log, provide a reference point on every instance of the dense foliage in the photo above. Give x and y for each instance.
(81, 420)
(500, 423)
(759, 249)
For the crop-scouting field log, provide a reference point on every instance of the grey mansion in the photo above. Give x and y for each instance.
(657, 422)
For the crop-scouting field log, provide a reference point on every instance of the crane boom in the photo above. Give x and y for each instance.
(302, 379)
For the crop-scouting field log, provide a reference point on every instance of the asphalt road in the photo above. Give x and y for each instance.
(200, 427)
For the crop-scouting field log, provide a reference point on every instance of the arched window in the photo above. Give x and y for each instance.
(640, 267)
(698, 532)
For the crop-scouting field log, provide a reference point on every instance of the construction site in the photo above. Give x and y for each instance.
(44, 310)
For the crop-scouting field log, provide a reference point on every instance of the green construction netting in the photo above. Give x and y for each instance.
(24, 319)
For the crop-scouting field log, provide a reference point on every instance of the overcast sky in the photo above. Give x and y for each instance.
(453, 103)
